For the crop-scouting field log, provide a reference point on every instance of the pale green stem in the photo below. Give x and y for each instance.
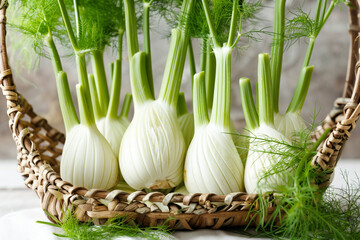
(85, 109)
(97, 59)
(309, 52)
(233, 24)
(131, 28)
(210, 23)
(191, 61)
(174, 67)
(138, 79)
(266, 106)
(126, 106)
(248, 105)
(66, 103)
(210, 75)
(327, 15)
(277, 50)
(203, 55)
(55, 58)
(318, 12)
(112, 65)
(77, 19)
(82, 72)
(220, 114)
(147, 46)
(299, 96)
(115, 91)
(94, 98)
(199, 95)
(68, 25)
(120, 43)
(181, 108)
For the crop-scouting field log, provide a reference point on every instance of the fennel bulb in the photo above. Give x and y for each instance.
(111, 125)
(289, 124)
(153, 148)
(262, 156)
(212, 162)
(266, 143)
(186, 120)
(87, 158)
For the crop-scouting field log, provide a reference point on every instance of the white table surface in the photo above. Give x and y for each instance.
(20, 207)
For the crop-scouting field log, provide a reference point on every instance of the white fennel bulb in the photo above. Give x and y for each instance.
(261, 158)
(212, 162)
(289, 124)
(266, 144)
(153, 148)
(111, 125)
(186, 120)
(87, 158)
(113, 130)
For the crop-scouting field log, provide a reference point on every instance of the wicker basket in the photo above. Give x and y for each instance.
(39, 148)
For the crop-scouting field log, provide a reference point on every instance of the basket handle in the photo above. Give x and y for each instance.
(328, 154)
(354, 30)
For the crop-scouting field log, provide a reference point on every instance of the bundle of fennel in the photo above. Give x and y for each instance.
(164, 146)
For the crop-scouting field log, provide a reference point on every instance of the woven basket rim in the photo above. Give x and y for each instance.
(54, 193)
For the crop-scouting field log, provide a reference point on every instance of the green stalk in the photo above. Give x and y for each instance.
(174, 67)
(277, 50)
(210, 23)
(248, 105)
(210, 75)
(66, 103)
(55, 58)
(309, 52)
(326, 15)
(97, 59)
(203, 55)
(199, 95)
(112, 66)
(220, 114)
(181, 108)
(299, 96)
(126, 106)
(77, 18)
(233, 25)
(94, 98)
(85, 109)
(266, 106)
(191, 61)
(120, 43)
(131, 28)
(318, 12)
(115, 91)
(68, 25)
(176, 58)
(138, 79)
(147, 46)
(82, 72)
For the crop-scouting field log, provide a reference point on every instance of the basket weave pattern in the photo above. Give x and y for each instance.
(39, 148)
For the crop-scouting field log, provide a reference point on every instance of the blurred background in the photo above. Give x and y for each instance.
(329, 58)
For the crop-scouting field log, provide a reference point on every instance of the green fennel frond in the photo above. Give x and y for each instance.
(119, 226)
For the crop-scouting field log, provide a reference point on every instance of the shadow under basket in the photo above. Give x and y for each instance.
(39, 148)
